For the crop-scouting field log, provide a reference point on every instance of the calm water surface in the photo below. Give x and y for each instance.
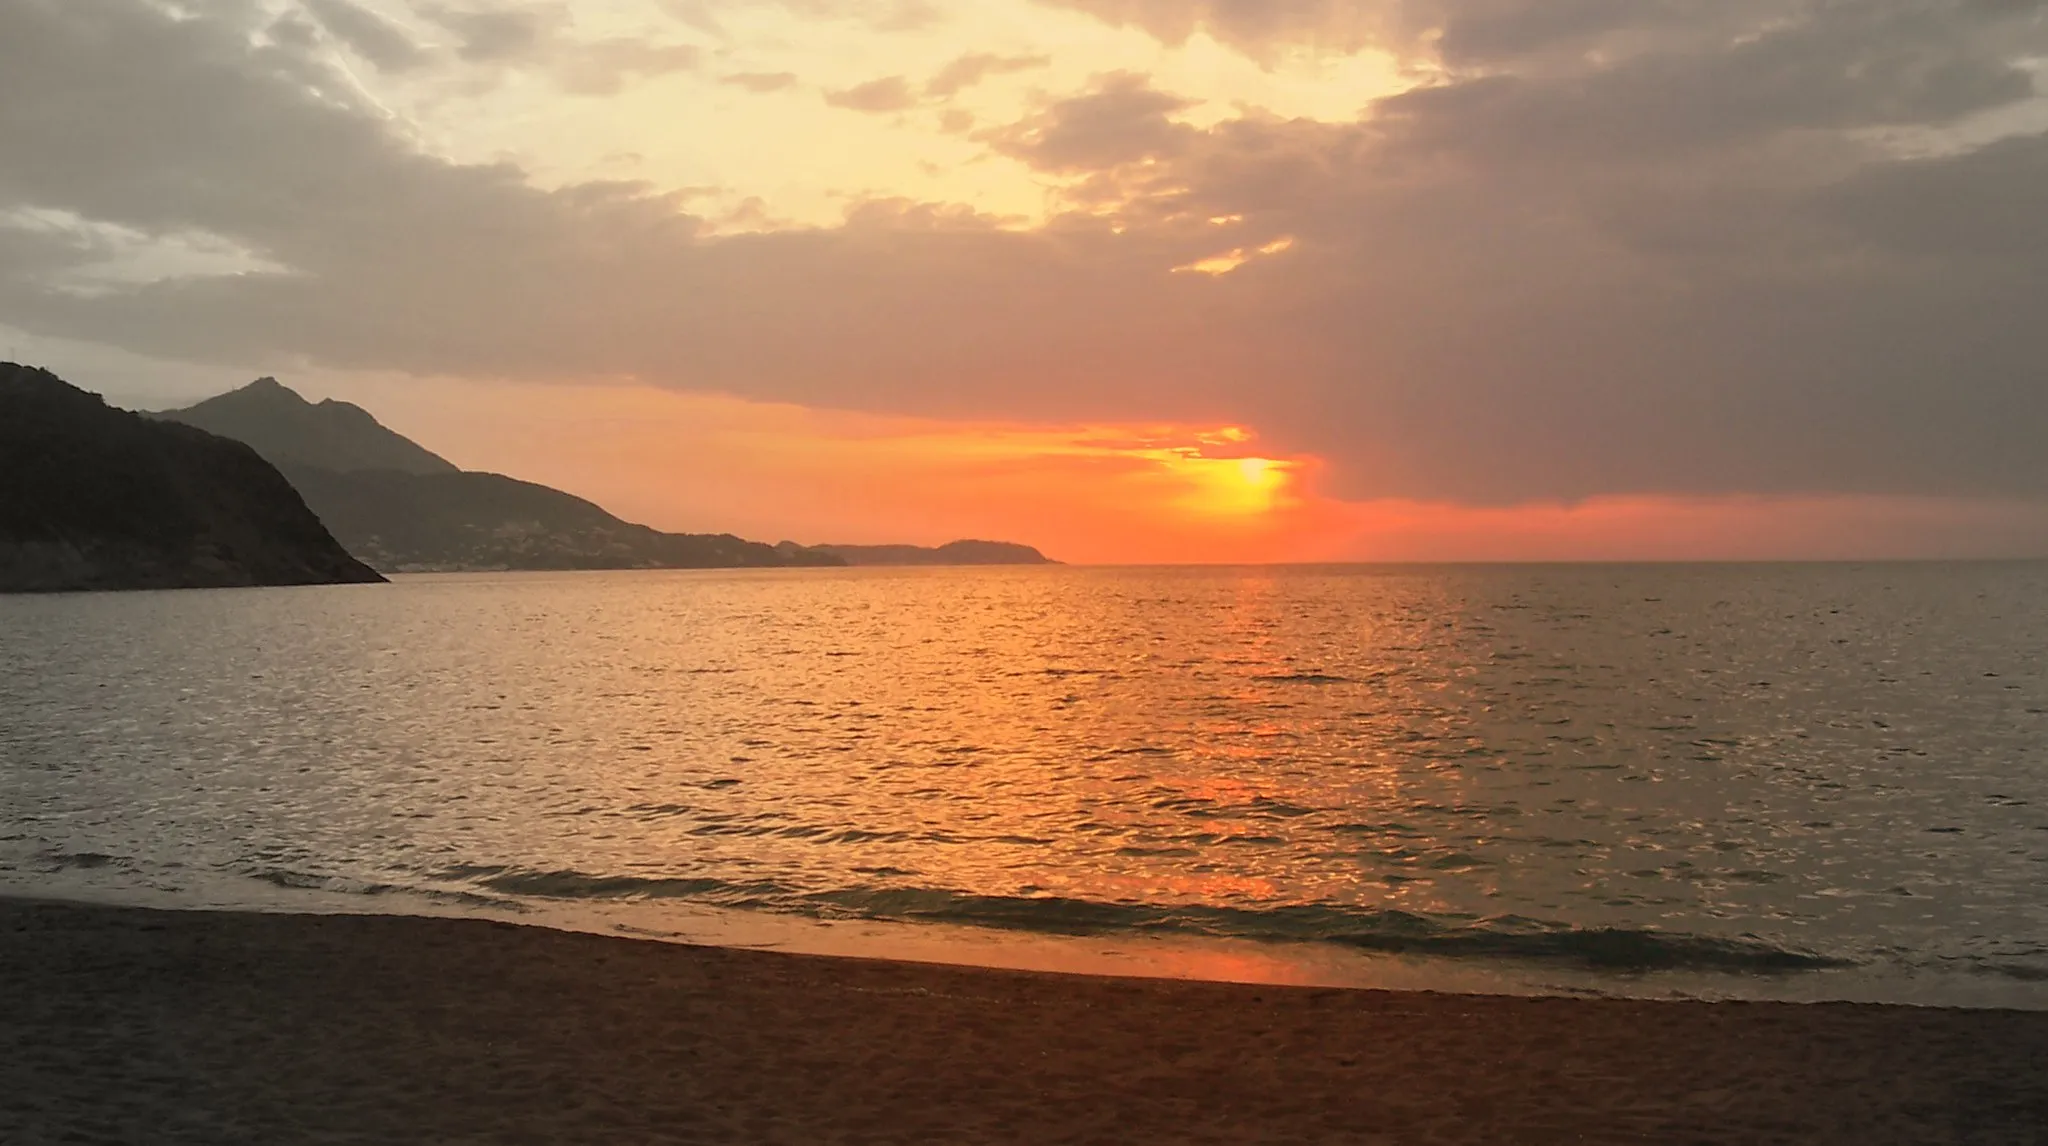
(1810, 780)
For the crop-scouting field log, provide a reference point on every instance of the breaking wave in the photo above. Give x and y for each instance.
(1380, 931)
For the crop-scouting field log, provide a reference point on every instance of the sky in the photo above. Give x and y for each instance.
(1131, 280)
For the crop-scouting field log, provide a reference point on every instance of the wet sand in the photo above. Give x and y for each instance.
(121, 1025)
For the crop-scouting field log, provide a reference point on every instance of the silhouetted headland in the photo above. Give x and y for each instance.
(291, 431)
(403, 508)
(92, 497)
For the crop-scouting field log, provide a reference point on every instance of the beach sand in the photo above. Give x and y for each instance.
(122, 1025)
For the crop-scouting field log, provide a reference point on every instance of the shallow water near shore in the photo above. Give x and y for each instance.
(1747, 781)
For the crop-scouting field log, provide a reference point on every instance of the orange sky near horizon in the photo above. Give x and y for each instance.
(1096, 494)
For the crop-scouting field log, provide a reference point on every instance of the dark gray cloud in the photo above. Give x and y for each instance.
(1850, 67)
(1685, 263)
(1467, 36)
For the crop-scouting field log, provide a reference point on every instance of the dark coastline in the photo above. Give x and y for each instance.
(130, 1025)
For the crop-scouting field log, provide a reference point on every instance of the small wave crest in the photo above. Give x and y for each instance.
(576, 885)
(1307, 678)
(294, 880)
(1380, 931)
(2024, 972)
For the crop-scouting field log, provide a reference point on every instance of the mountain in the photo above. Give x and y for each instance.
(954, 553)
(288, 429)
(402, 522)
(404, 509)
(97, 498)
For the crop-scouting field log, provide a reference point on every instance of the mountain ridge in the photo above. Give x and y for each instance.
(405, 509)
(285, 428)
(484, 522)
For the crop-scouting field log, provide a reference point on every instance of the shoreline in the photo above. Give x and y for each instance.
(1171, 957)
(1179, 958)
(132, 1024)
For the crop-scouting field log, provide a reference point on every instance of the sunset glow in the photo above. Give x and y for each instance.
(1129, 280)
(1535, 509)
(1235, 487)
(1103, 493)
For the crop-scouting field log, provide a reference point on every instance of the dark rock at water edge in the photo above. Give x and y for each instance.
(93, 497)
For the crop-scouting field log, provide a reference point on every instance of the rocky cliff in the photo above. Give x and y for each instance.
(97, 498)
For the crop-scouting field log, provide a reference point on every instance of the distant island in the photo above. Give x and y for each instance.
(405, 509)
(93, 497)
(954, 553)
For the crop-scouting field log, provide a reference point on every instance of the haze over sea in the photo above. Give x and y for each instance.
(1810, 781)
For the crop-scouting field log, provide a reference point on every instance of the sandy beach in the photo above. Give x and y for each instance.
(123, 1025)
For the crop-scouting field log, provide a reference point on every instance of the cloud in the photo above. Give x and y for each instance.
(891, 93)
(880, 15)
(537, 36)
(1688, 265)
(368, 35)
(606, 66)
(971, 69)
(1849, 67)
(1125, 120)
(1470, 37)
(761, 81)
(497, 35)
(1256, 26)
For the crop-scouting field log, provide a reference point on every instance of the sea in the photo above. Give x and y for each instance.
(1796, 782)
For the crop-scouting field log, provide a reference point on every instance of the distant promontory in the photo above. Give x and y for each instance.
(93, 497)
(404, 509)
(953, 553)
